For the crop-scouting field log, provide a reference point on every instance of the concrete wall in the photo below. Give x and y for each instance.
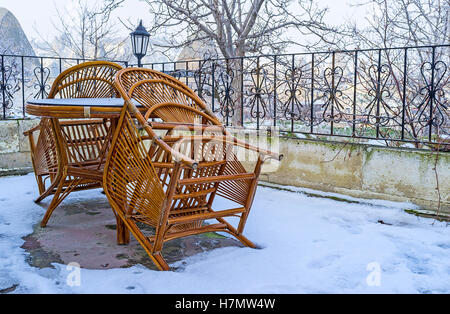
(398, 174)
(14, 147)
(354, 169)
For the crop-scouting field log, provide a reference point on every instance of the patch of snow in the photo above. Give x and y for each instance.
(373, 202)
(309, 245)
(375, 142)
(408, 145)
(300, 135)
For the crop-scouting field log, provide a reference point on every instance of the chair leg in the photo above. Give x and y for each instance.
(160, 261)
(250, 197)
(243, 239)
(40, 183)
(238, 233)
(53, 204)
(123, 234)
(156, 250)
(58, 197)
(46, 192)
(156, 257)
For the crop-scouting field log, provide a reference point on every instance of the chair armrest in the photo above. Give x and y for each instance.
(268, 153)
(251, 147)
(163, 145)
(193, 127)
(224, 139)
(32, 130)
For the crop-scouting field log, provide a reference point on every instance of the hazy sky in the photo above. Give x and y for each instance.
(37, 14)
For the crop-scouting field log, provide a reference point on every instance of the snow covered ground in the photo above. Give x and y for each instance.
(309, 245)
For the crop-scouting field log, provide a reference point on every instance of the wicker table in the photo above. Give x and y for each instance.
(75, 107)
(79, 112)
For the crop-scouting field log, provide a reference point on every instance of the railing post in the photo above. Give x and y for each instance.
(378, 95)
(312, 93)
(42, 78)
(432, 91)
(227, 93)
(242, 91)
(186, 73)
(405, 61)
(2, 70)
(355, 81)
(333, 91)
(275, 91)
(292, 82)
(23, 86)
(258, 92)
(199, 80)
(213, 85)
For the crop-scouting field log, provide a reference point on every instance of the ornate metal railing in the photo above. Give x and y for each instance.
(29, 77)
(394, 96)
(390, 96)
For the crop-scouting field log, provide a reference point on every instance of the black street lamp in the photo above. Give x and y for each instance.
(139, 42)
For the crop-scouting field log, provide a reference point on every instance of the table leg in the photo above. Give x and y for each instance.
(123, 234)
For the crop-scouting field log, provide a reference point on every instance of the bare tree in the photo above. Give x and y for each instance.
(405, 23)
(239, 27)
(236, 28)
(86, 32)
(409, 23)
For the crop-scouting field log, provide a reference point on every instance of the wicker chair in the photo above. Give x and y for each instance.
(186, 95)
(161, 88)
(70, 155)
(169, 182)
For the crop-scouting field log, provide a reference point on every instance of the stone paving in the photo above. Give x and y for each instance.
(83, 231)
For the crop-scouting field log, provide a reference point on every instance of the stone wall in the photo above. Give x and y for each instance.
(366, 171)
(359, 170)
(14, 146)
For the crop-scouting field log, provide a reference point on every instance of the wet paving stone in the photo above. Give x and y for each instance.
(84, 231)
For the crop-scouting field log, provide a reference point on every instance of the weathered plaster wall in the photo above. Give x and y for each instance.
(14, 146)
(364, 171)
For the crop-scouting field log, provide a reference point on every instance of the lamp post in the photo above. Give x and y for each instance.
(139, 42)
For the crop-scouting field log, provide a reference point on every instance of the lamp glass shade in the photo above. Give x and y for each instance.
(139, 41)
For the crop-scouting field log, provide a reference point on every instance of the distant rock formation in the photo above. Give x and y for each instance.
(198, 50)
(12, 38)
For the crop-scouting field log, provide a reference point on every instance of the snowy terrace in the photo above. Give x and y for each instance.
(310, 242)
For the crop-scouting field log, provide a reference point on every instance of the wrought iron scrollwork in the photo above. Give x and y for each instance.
(9, 84)
(259, 89)
(294, 110)
(42, 75)
(202, 83)
(177, 73)
(334, 99)
(433, 108)
(226, 92)
(378, 111)
(393, 94)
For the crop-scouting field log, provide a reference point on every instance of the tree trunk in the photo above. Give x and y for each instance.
(236, 66)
